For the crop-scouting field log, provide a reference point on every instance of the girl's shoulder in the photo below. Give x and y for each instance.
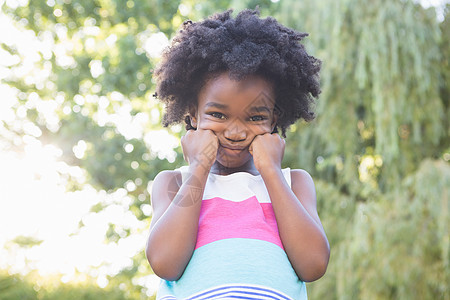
(170, 180)
(302, 183)
(166, 176)
(163, 189)
(300, 175)
(166, 184)
(303, 187)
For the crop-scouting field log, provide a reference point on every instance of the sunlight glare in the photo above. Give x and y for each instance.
(34, 203)
(155, 44)
(162, 143)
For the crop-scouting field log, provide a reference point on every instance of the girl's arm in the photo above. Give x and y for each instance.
(176, 208)
(300, 229)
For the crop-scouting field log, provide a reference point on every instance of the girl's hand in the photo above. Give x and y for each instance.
(200, 147)
(267, 151)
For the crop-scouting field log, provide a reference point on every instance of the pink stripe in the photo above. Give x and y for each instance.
(224, 219)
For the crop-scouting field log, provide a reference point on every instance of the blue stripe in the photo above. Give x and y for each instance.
(280, 296)
(235, 262)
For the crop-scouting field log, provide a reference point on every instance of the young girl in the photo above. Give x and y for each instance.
(232, 223)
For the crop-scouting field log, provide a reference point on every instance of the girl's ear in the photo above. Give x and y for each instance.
(274, 122)
(193, 122)
(193, 117)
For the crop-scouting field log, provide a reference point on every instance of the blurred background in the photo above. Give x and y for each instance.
(81, 141)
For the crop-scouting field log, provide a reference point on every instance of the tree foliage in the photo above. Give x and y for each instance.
(381, 86)
(379, 146)
(13, 287)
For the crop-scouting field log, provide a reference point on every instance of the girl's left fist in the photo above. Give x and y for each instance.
(267, 151)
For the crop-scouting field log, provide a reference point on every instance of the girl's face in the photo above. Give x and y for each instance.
(236, 111)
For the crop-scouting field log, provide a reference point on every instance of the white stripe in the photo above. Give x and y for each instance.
(239, 295)
(227, 187)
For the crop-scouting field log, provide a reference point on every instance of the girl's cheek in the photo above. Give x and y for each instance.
(261, 129)
(211, 125)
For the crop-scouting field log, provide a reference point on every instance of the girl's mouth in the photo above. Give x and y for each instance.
(232, 151)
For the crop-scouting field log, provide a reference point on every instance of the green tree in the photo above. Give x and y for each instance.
(379, 146)
(13, 287)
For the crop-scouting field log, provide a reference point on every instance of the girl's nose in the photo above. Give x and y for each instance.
(235, 132)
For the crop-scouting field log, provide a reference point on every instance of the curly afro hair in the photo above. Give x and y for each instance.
(246, 45)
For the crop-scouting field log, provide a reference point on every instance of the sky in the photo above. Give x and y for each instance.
(34, 201)
(438, 4)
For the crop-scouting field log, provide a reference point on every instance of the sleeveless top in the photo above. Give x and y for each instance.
(238, 254)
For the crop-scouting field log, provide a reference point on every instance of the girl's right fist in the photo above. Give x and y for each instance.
(200, 147)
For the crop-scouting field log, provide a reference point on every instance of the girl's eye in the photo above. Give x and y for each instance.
(217, 115)
(257, 118)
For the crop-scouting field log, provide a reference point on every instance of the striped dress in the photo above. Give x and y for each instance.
(239, 254)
